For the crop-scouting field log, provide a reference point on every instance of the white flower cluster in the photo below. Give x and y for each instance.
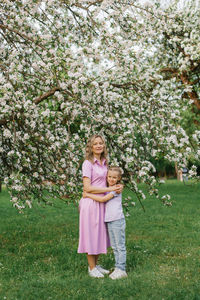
(125, 74)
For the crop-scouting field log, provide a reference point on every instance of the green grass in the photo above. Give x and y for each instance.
(39, 260)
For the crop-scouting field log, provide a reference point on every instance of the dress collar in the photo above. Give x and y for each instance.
(97, 161)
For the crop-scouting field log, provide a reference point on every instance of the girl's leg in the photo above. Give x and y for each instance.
(113, 240)
(122, 246)
(91, 261)
(116, 231)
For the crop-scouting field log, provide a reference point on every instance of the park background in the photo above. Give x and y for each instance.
(39, 259)
(130, 71)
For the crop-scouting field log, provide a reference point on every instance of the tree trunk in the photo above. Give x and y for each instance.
(178, 173)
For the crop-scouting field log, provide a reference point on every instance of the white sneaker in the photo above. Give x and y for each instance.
(102, 270)
(95, 273)
(117, 274)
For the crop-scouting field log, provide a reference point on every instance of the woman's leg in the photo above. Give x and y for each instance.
(91, 261)
(96, 258)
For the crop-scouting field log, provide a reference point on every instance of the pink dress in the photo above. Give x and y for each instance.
(93, 237)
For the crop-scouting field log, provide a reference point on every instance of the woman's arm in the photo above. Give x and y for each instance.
(98, 198)
(87, 187)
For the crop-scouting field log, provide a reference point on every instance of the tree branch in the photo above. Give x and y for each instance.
(192, 95)
(22, 35)
(46, 95)
(170, 70)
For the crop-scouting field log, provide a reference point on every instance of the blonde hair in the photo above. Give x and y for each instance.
(118, 170)
(88, 151)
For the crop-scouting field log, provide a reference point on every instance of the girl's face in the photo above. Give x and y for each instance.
(97, 146)
(112, 177)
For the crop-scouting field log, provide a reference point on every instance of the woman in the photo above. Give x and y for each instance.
(93, 238)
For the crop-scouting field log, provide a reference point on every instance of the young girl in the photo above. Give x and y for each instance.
(93, 235)
(115, 221)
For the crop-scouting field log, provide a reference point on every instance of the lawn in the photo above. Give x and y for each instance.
(39, 260)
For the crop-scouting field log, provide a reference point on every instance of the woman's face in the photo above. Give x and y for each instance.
(97, 146)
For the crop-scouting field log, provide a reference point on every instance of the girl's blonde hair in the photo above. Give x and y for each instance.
(88, 151)
(118, 170)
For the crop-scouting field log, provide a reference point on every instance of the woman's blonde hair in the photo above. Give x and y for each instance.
(88, 151)
(118, 170)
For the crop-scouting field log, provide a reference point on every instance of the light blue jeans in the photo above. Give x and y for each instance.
(116, 231)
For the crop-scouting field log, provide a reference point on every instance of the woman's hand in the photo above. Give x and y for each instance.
(85, 194)
(118, 188)
(112, 188)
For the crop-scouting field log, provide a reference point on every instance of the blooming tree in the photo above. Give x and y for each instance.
(73, 68)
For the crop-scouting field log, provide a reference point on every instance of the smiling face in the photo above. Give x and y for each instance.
(97, 146)
(113, 177)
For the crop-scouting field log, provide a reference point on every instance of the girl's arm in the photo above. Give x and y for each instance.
(87, 187)
(98, 198)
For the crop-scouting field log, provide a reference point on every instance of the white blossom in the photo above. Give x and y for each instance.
(68, 76)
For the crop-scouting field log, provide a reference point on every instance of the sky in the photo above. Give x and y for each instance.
(182, 3)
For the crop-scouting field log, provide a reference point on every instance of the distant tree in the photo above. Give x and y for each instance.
(71, 69)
